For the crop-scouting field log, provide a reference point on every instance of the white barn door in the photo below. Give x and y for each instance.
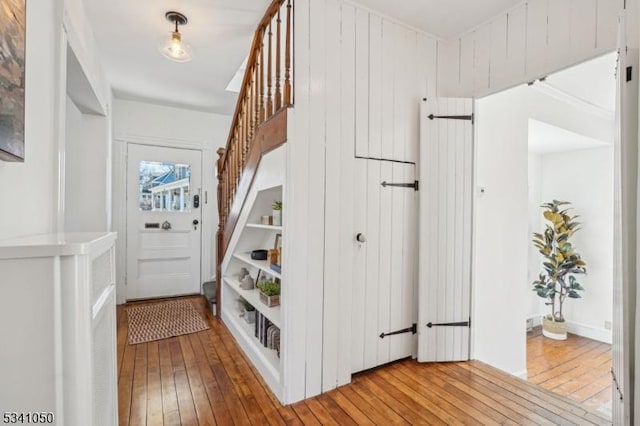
(445, 219)
(385, 273)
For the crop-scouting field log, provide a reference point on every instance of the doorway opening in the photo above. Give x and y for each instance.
(550, 140)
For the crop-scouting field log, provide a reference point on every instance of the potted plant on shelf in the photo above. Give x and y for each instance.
(276, 213)
(269, 292)
(249, 311)
(561, 263)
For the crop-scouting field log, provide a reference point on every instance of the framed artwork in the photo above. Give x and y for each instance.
(12, 76)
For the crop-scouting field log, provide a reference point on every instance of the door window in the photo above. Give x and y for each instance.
(164, 187)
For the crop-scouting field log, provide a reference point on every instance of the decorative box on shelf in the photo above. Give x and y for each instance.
(270, 301)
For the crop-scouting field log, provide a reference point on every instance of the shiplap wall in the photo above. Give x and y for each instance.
(359, 81)
(527, 42)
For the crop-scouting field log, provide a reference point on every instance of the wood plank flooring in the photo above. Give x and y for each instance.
(578, 368)
(204, 379)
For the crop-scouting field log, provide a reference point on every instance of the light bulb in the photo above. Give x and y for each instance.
(175, 49)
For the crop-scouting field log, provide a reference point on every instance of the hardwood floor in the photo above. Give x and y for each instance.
(203, 378)
(578, 368)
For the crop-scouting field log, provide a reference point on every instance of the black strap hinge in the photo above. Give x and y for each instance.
(413, 329)
(452, 117)
(415, 185)
(451, 324)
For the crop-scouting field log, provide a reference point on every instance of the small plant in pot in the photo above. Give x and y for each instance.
(561, 263)
(249, 313)
(276, 212)
(269, 292)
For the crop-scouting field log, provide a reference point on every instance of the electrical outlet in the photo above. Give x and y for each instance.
(607, 325)
(529, 324)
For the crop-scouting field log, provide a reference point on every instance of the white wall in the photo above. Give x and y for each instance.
(34, 190)
(145, 123)
(359, 81)
(28, 204)
(87, 161)
(502, 295)
(500, 298)
(585, 178)
(529, 41)
(535, 225)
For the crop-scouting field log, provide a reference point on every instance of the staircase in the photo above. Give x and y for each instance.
(260, 120)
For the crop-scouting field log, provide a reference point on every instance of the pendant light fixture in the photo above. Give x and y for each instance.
(174, 47)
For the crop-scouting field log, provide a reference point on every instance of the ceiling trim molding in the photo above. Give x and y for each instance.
(574, 101)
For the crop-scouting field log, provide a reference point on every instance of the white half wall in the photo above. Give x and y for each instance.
(152, 124)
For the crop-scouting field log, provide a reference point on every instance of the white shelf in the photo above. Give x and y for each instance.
(260, 264)
(253, 297)
(265, 360)
(260, 226)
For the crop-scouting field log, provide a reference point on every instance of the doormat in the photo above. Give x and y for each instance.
(163, 320)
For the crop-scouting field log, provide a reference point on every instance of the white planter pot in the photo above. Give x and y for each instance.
(554, 330)
(277, 217)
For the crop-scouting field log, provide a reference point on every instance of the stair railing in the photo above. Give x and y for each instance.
(265, 94)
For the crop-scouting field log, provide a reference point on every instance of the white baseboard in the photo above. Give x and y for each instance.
(599, 334)
(521, 374)
(590, 332)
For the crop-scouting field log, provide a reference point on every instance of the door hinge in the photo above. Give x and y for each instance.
(629, 73)
(451, 324)
(415, 185)
(452, 117)
(413, 329)
(615, 382)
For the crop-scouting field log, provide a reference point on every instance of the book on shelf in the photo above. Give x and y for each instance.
(267, 333)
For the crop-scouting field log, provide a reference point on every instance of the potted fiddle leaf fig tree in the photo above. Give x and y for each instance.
(561, 264)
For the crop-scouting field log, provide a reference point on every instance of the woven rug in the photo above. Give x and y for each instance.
(162, 320)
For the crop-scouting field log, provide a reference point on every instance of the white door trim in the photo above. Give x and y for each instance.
(208, 203)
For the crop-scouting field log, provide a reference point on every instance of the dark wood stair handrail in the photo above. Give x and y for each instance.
(259, 121)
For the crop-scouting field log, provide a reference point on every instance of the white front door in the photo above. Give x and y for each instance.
(163, 221)
(446, 205)
(384, 286)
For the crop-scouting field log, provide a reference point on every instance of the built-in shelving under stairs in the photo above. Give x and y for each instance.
(261, 335)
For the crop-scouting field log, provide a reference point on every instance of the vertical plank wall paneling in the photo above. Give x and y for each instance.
(385, 273)
(359, 80)
(332, 292)
(540, 36)
(297, 213)
(345, 254)
(319, 52)
(394, 67)
(373, 260)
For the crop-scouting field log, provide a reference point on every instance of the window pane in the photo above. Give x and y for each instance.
(164, 187)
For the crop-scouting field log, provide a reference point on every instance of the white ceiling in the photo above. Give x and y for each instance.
(547, 139)
(445, 19)
(220, 33)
